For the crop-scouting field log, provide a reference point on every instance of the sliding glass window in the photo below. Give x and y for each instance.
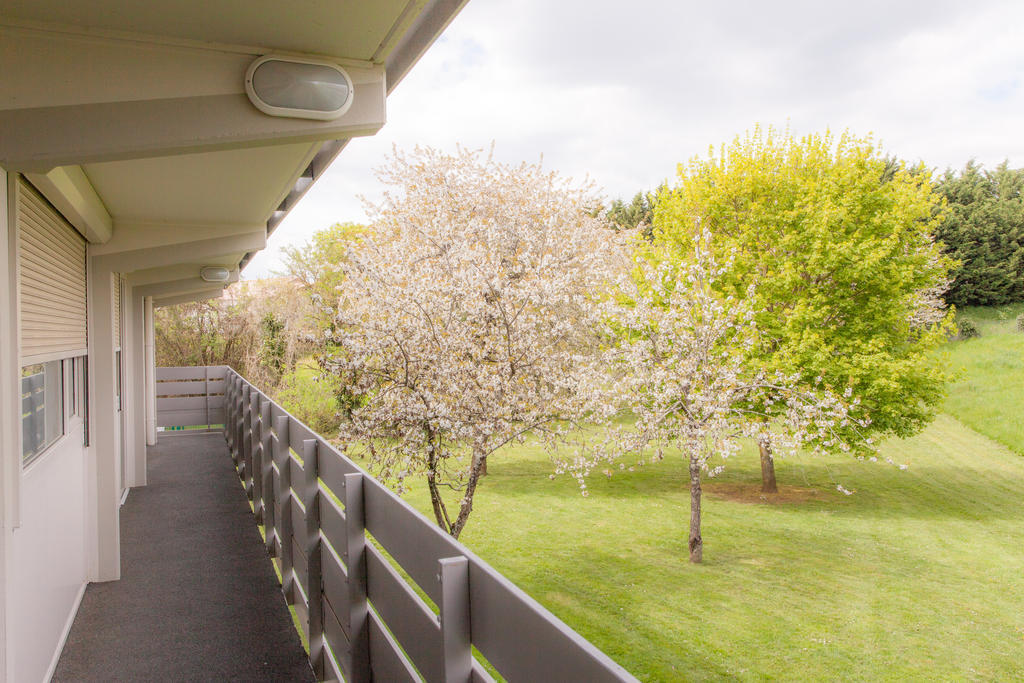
(42, 407)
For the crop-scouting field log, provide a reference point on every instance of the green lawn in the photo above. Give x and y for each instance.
(989, 396)
(918, 575)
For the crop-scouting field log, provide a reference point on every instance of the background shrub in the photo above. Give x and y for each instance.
(966, 329)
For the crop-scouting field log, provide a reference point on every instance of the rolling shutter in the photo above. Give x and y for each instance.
(51, 263)
(116, 284)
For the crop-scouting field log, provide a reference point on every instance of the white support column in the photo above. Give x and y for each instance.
(10, 398)
(150, 325)
(134, 355)
(137, 379)
(130, 414)
(105, 466)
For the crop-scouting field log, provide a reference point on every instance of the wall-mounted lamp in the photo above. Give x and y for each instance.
(215, 274)
(298, 88)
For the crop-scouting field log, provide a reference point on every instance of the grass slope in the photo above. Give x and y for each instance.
(916, 576)
(989, 395)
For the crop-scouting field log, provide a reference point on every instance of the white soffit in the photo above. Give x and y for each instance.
(352, 29)
(236, 186)
(146, 98)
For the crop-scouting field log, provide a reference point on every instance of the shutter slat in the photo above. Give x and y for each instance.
(37, 213)
(43, 257)
(51, 261)
(116, 283)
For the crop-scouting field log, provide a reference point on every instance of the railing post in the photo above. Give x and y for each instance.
(247, 440)
(206, 392)
(314, 586)
(267, 475)
(257, 457)
(240, 429)
(453, 574)
(354, 555)
(282, 456)
(229, 389)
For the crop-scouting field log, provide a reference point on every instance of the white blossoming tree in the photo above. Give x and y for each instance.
(684, 373)
(467, 318)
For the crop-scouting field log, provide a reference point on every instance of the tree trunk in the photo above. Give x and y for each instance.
(768, 484)
(696, 542)
(440, 511)
(483, 470)
(479, 461)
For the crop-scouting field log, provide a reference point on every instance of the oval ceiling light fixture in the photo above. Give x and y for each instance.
(215, 274)
(298, 88)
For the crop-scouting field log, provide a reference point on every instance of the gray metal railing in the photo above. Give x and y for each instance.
(346, 547)
(190, 396)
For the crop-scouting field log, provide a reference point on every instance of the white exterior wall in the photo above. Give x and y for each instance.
(43, 545)
(9, 399)
(49, 556)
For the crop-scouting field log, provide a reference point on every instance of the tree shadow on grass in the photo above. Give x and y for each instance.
(880, 490)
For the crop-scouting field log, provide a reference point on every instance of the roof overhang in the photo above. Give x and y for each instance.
(132, 118)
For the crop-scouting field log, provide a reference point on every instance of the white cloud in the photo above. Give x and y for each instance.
(622, 92)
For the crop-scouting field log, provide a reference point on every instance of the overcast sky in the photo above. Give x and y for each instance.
(623, 91)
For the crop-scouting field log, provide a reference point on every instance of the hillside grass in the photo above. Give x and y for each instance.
(988, 396)
(917, 576)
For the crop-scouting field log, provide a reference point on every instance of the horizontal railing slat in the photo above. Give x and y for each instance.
(297, 433)
(479, 674)
(301, 611)
(335, 636)
(411, 622)
(516, 635)
(299, 565)
(296, 471)
(336, 588)
(332, 523)
(333, 467)
(386, 655)
(401, 530)
(298, 529)
(217, 372)
(188, 418)
(182, 388)
(181, 403)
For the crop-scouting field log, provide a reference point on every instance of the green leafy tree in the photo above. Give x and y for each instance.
(273, 343)
(258, 328)
(984, 231)
(204, 333)
(638, 213)
(316, 266)
(838, 246)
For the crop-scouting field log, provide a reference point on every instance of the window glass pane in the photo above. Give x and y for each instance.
(42, 407)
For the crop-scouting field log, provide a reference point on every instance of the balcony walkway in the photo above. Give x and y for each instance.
(198, 598)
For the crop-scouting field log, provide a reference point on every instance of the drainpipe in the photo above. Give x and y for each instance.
(150, 373)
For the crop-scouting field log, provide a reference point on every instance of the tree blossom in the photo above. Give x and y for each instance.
(683, 373)
(467, 318)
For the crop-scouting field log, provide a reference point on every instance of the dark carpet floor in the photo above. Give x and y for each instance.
(198, 599)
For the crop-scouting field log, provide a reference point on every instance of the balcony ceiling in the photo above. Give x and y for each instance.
(141, 106)
(229, 187)
(354, 29)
